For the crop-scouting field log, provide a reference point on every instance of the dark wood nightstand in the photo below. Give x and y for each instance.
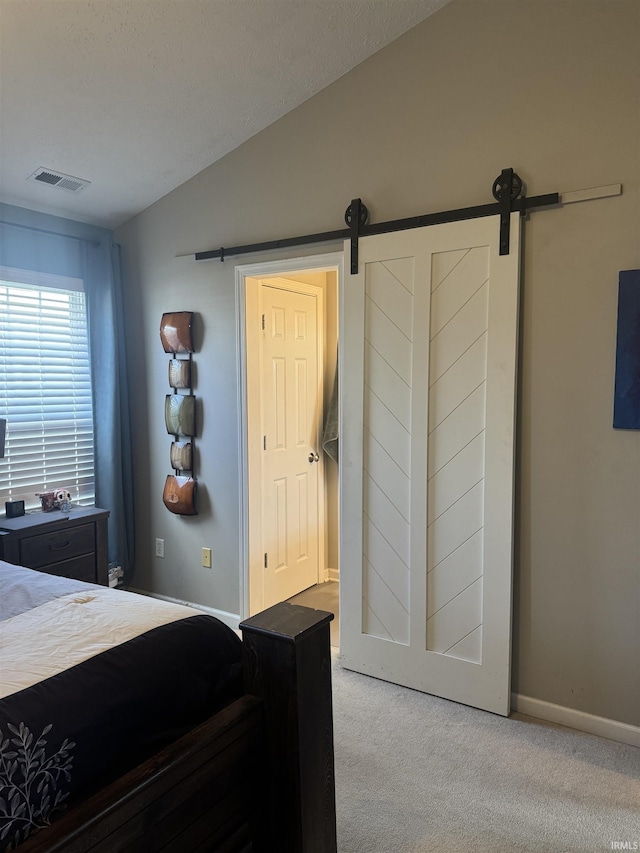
(72, 544)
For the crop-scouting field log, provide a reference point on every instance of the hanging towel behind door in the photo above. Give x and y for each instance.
(331, 424)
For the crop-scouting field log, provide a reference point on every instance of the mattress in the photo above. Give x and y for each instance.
(92, 681)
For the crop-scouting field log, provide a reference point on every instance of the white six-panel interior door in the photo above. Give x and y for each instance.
(291, 399)
(428, 378)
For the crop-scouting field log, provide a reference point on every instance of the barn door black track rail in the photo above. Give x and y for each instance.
(507, 189)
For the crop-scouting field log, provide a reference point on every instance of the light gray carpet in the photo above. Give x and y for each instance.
(416, 774)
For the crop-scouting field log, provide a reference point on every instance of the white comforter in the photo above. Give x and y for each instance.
(54, 629)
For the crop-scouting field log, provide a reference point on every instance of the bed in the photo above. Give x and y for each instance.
(127, 723)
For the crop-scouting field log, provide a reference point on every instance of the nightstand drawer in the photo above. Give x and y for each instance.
(78, 568)
(37, 551)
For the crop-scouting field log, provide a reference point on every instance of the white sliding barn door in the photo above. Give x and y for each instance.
(429, 345)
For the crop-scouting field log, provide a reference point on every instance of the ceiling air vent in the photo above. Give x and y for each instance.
(58, 180)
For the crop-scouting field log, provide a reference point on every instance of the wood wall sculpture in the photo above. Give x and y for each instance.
(179, 495)
(176, 335)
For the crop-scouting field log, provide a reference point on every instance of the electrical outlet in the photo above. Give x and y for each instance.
(159, 547)
(206, 558)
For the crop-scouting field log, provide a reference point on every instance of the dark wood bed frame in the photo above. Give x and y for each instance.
(257, 776)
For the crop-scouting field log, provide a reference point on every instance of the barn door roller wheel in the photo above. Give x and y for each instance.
(362, 218)
(501, 185)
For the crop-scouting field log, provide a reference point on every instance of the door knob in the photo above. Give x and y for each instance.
(313, 457)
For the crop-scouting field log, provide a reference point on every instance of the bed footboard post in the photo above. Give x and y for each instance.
(287, 663)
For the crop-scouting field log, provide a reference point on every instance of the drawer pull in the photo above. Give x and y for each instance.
(60, 547)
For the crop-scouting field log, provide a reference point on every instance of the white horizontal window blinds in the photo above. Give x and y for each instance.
(45, 390)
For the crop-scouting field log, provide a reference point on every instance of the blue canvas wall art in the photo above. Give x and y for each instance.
(626, 403)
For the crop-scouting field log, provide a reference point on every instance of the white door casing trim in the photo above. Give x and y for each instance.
(330, 262)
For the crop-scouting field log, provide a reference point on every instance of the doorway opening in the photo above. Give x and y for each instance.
(288, 342)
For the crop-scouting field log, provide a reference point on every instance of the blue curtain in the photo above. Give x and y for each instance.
(37, 241)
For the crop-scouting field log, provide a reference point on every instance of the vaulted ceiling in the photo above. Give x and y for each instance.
(137, 96)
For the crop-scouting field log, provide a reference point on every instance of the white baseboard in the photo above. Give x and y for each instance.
(333, 574)
(230, 619)
(601, 726)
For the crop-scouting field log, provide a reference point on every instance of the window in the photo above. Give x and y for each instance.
(45, 387)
